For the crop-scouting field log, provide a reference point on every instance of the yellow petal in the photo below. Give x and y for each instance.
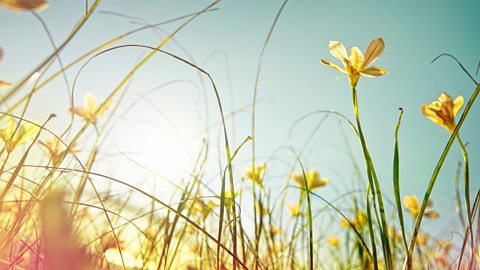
(24, 5)
(90, 102)
(4, 84)
(373, 72)
(330, 64)
(356, 57)
(457, 105)
(411, 203)
(337, 50)
(80, 111)
(374, 50)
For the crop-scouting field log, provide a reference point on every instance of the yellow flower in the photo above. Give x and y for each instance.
(334, 241)
(443, 110)
(203, 208)
(54, 148)
(313, 179)
(411, 203)
(295, 209)
(422, 239)
(90, 107)
(356, 63)
(24, 5)
(358, 222)
(255, 173)
(12, 138)
(274, 230)
(394, 234)
(3, 84)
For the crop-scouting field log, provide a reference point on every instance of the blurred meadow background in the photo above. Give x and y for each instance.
(161, 132)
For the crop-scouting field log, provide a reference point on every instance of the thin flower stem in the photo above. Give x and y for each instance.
(373, 182)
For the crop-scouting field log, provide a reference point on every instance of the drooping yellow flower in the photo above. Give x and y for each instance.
(54, 148)
(313, 179)
(443, 110)
(356, 63)
(89, 108)
(12, 138)
(24, 5)
(255, 173)
(334, 241)
(3, 84)
(412, 205)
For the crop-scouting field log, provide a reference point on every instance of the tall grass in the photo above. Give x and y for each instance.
(59, 212)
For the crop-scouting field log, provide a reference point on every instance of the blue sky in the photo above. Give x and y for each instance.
(227, 43)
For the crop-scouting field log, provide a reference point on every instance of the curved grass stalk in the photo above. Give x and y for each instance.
(255, 91)
(89, 53)
(54, 54)
(436, 171)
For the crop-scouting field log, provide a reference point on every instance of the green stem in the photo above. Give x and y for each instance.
(373, 182)
(467, 190)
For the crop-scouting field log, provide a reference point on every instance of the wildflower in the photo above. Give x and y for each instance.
(295, 209)
(261, 209)
(443, 110)
(274, 230)
(54, 149)
(313, 179)
(12, 137)
(358, 221)
(411, 203)
(356, 63)
(203, 208)
(255, 173)
(334, 241)
(422, 239)
(394, 234)
(3, 84)
(90, 107)
(24, 5)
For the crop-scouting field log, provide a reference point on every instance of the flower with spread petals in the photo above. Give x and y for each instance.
(24, 5)
(3, 84)
(443, 110)
(90, 110)
(54, 148)
(356, 64)
(313, 179)
(255, 173)
(411, 203)
(295, 209)
(13, 136)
